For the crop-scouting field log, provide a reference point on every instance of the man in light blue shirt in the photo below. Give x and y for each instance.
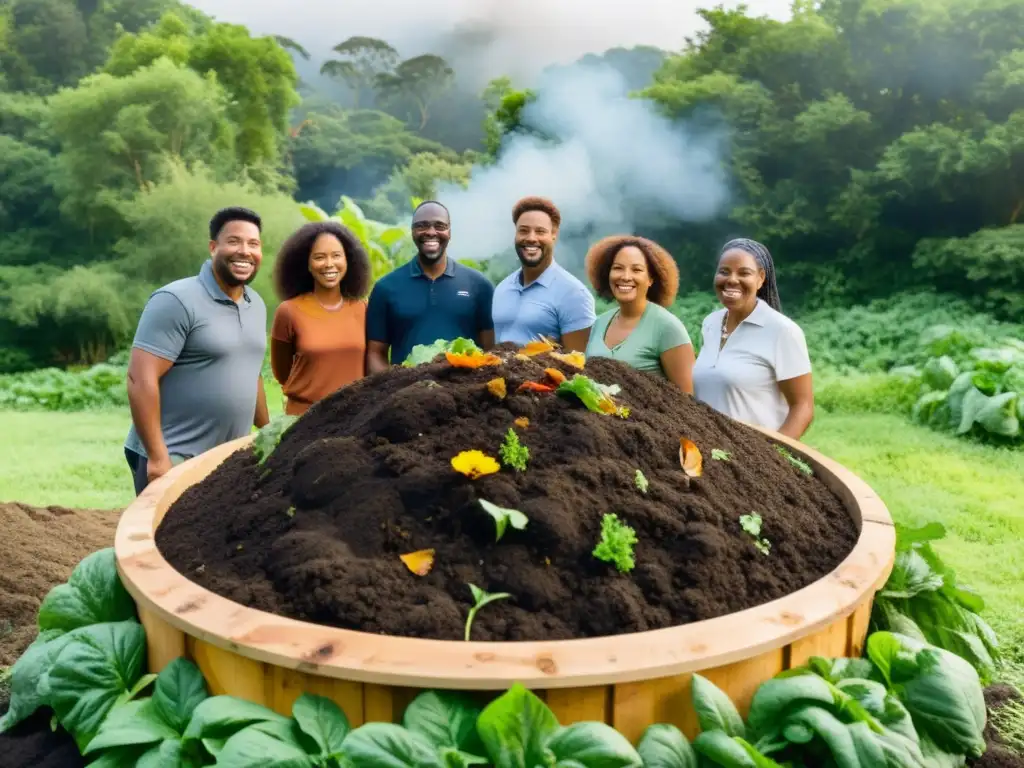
(541, 298)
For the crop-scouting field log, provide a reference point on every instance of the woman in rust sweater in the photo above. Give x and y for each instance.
(318, 337)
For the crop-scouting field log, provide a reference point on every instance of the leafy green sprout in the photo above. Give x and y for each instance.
(717, 454)
(513, 452)
(751, 524)
(803, 466)
(616, 545)
(481, 598)
(503, 516)
(641, 482)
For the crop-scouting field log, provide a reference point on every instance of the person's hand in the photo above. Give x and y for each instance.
(157, 467)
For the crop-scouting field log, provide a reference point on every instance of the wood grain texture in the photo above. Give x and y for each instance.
(629, 681)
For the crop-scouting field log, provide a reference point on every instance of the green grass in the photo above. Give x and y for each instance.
(974, 490)
(75, 460)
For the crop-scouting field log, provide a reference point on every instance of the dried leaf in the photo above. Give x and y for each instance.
(555, 375)
(497, 388)
(521, 356)
(474, 464)
(419, 562)
(690, 458)
(535, 386)
(471, 361)
(575, 359)
(522, 422)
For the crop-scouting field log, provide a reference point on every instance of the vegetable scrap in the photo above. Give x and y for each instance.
(474, 464)
(690, 458)
(497, 388)
(617, 542)
(419, 562)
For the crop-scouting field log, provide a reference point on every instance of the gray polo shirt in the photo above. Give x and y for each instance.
(208, 396)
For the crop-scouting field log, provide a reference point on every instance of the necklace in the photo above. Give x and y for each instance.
(331, 307)
(725, 321)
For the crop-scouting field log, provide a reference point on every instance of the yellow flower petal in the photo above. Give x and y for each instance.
(474, 464)
(419, 562)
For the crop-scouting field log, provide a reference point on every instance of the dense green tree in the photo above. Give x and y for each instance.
(117, 134)
(418, 81)
(257, 74)
(360, 63)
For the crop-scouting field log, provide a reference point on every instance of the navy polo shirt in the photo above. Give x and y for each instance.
(408, 308)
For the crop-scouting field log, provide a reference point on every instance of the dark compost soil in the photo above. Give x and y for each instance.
(365, 476)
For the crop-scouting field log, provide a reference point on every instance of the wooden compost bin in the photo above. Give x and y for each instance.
(628, 681)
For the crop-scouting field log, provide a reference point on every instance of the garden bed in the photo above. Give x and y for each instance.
(318, 531)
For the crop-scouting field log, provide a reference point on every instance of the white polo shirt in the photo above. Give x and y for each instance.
(742, 379)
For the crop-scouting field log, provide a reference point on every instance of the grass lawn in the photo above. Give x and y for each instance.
(76, 460)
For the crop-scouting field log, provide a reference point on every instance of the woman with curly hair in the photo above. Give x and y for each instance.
(318, 337)
(754, 365)
(643, 279)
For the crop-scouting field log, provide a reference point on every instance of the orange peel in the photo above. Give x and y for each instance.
(690, 458)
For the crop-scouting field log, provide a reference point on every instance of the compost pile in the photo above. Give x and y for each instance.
(360, 518)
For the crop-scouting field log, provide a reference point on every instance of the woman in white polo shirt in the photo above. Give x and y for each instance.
(753, 365)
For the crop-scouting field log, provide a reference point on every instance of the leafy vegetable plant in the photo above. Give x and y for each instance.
(717, 454)
(641, 482)
(503, 517)
(518, 729)
(480, 599)
(983, 394)
(752, 525)
(269, 436)
(922, 599)
(616, 545)
(513, 452)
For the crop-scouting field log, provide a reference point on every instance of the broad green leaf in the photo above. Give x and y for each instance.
(717, 748)
(323, 721)
(906, 536)
(253, 748)
(133, 724)
(515, 728)
(220, 717)
(27, 676)
(665, 746)
(592, 745)
(940, 372)
(269, 436)
(386, 745)
(313, 212)
(93, 595)
(167, 754)
(715, 711)
(941, 691)
(180, 688)
(999, 416)
(94, 668)
(911, 575)
(421, 354)
(445, 719)
(974, 403)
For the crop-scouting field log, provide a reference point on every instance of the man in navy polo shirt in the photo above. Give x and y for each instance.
(541, 298)
(194, 374)
(430, 297)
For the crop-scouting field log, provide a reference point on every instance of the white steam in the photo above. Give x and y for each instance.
(620, 166)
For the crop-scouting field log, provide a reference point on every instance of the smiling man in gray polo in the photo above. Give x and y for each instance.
(194, 375)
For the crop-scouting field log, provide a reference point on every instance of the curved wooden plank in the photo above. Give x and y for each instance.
(343, 654)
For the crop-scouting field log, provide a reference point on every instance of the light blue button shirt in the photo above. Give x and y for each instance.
(554, 304)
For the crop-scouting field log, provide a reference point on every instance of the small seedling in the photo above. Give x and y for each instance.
(803, 466)
(502, 517)
(481, 599)
(290, 512)
(641, 482)
(513, 452)
(717, 454)
(616, 545)
(752, 525)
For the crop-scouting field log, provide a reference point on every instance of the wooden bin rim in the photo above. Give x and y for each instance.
(423, 663)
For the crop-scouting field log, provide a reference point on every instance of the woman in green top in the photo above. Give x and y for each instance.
(643, 279)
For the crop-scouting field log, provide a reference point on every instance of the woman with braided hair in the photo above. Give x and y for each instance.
(753, 365)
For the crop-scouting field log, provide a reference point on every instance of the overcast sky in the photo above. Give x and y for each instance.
(525, 35)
